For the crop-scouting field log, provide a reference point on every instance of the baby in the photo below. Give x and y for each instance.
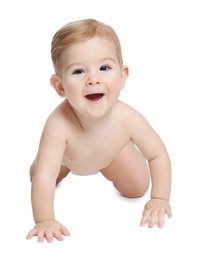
(92, 131)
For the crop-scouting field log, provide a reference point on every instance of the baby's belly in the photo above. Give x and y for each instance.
(87, 166)
(88, 162)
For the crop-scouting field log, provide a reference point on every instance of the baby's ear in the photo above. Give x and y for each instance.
(57, 85)
(125, 74)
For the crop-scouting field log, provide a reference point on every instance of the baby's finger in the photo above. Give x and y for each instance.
(152, 220)
(40, 235)
(49, 236)
(31, 234)
(169, 212)
(145, 217)
(64, 231)
(161, 219)
(58, 235)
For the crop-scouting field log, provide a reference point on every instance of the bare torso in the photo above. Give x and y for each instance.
(90, 151)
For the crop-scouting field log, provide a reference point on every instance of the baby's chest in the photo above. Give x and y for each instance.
(95, 152)
(84, 149)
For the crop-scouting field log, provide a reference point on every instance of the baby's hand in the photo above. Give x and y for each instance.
(154, 212)
(48, 229)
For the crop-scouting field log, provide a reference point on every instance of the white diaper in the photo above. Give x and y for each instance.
(83, 174)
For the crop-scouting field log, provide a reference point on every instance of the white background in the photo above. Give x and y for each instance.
(161, 45)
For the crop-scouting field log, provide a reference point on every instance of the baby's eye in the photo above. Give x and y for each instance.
(105, 68)
(78, 71)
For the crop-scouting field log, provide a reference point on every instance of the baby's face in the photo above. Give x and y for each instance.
(92, 77)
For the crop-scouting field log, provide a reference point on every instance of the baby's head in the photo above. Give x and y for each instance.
(79, 31)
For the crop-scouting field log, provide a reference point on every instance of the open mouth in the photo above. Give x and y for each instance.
(95, 97)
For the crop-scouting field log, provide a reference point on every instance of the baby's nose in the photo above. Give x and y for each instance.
(93, 80)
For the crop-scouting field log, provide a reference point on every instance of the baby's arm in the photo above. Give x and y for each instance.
(47, 167)
(160, 170)
(154, 150)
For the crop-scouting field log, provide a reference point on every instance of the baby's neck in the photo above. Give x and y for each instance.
(89, 124)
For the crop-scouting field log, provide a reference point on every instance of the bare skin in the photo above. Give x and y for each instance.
(78, 133)
(128, 170)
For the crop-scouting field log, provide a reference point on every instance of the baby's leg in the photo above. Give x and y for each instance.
(129, 172)
(63, 172)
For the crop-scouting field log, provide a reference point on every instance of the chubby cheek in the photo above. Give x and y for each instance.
(71, 89)
(72, 94)
(115, 87)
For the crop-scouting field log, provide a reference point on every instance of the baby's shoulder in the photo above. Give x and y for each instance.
(62, 112)
(127, 111)
(58, 118)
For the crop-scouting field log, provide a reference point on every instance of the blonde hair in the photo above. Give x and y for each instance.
(79, 31)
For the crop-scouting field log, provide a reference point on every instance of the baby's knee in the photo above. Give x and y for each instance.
(134, 193)
(130, 190)
(140, 190)
(138, 193)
